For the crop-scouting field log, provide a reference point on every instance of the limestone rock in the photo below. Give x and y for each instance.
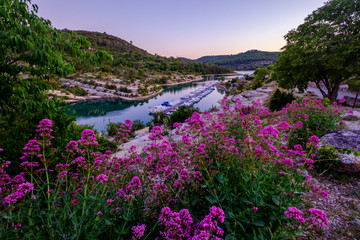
(350, 101)
(342, 139)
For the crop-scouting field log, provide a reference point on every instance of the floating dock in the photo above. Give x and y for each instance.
(188, 100)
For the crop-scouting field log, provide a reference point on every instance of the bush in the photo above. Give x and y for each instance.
(112, 129)
(110, 86)
(311, 117)
(279, 100)
(137, 125)
(180, 115)
(230, 167)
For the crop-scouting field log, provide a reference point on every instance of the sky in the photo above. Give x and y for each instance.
(185, 28)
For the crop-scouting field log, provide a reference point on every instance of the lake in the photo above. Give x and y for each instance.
(100, 113)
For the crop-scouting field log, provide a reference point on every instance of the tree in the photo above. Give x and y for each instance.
(324, 49)
(354, 85)
(30, 51)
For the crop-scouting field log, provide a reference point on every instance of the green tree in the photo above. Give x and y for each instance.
(324, 49)
(31, 51)
(354, 85)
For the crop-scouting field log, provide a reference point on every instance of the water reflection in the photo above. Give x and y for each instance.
(100, 113)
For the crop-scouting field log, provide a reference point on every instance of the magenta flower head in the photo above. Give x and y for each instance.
(295, 213)
(255, 209)
(314, 140)
(88, 138)
(99, 213)
(128, 122)
(156, 130)
(341, 100)
(44, 130)
(32, 148)
(102, 178)
(270, 130)
(318, 217)
(138, 231)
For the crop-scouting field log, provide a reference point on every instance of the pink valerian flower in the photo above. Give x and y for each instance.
(270, 130)
(341, 100)
(295, 213)
(71, 146)
(29, 164)
(20, 192)
(17, 226)
(102, 178)
(32, 148)
(208, 227)
(283, 125)
(314, 140)
(297, 125)
(62, 175)
(99, 213)
(175, 125)
(288, 162)
(177, 224)
(44, 130)
(88, 138)
(156, 133)
(318, 217)
(138, 231)
(134, 185)
(255, 209)
(123, 133)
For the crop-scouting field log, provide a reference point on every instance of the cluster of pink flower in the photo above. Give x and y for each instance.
(317, 216)
(180, 225)
(170, 170)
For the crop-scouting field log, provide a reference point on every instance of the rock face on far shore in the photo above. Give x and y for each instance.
(342, 139)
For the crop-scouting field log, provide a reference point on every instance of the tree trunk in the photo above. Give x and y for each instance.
(333, 93)
(357, 94)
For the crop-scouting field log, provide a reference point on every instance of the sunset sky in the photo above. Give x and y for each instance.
(186, 28)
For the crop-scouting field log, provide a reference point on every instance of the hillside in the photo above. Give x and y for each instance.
(129, 58)
(243, 61)
(133, 74)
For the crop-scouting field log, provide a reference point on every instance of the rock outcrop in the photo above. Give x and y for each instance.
(345, 139)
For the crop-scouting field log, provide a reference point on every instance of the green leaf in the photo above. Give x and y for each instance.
(276, 200)
(259, 223)
(211, 199)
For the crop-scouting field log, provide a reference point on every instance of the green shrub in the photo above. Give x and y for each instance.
(137, 125)
(279, 100)
(181, 114)
(313, 117)
(110, 86)
(112, 129)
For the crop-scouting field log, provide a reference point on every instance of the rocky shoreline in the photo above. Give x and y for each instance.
(98, 90)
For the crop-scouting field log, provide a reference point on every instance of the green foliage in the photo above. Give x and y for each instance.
(137, 125)
(279, 100)
(137, 62)
(110, 86)
(112, 129)
(76, 90)
(317, 119)
(125, 89)
(326, 158)
(159, 118)
(243, 61)
(30, 51)
(181, 114)
(324, 49)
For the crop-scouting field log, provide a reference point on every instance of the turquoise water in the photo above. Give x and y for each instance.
(100, 113)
